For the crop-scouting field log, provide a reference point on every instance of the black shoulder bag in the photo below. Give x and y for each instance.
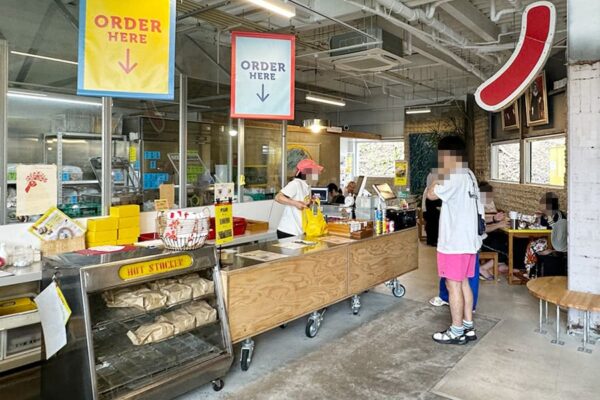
(480, 219)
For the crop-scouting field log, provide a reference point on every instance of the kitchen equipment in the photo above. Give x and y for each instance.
(402, 218)
(100, 361)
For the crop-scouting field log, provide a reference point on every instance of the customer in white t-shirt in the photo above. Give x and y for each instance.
(459, 239)
(296, 197)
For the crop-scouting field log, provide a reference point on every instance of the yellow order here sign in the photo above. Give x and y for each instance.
(155, 267)
(127, 48)
(223, 223)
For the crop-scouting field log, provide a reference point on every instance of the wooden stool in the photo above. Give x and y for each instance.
(490, 255)
(549, 290)
(582, 302)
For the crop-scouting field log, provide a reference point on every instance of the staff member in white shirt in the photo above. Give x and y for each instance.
(296, 197)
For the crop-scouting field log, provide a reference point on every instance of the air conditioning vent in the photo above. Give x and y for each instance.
(371, 58)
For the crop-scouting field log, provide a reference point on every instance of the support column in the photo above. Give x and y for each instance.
(183, 142)
(583, 149)
(106, 155)
(3, 128)
(241, 179)
(284, 126)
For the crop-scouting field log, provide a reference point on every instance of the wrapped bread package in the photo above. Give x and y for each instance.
(157, 285)
(180, 319)
(140, 298)
(151, 333)
(202, 312)
(176, 293)
(200, 286)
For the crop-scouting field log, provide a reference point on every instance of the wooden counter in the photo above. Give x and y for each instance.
(262, 296)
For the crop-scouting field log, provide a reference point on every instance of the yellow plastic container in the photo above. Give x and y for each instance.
(127, 240)
(102, 224)
(15, 306)
(129, 233)
(131, 210)
(129, 222)
(103, 236)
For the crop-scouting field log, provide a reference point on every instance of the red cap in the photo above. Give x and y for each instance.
(308, 165)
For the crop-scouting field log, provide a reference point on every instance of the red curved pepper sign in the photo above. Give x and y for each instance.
(529, 57)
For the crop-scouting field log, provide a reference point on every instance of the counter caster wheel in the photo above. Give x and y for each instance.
(311, 328)
(399, 291)
(218, 385)
(283, 326)
(355, 304)
(246, 355)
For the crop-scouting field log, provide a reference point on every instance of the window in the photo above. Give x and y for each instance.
(376, 158)
(545, 161)
(506, 161)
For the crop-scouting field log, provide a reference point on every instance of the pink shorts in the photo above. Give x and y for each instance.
(456, 267)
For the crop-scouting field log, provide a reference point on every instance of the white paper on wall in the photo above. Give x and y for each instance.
(36, 188)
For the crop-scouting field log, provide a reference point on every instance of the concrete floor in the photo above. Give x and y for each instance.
(510, 362)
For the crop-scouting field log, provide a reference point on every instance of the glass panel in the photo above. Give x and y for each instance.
(547, 161)
(507, 166)
(262, 154)
(377, 158)
(22, 339)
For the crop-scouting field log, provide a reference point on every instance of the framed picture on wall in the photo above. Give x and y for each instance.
(510, 116)
(536, 101)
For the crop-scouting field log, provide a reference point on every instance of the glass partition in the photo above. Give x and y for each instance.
(262, 156)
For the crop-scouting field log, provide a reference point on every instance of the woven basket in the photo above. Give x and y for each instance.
(182, 234)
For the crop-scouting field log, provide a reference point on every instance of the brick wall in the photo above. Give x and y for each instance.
(508, 196)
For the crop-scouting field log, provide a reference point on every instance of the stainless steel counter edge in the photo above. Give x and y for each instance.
(241, 263)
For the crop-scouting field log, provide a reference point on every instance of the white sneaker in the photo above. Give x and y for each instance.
(437, 302)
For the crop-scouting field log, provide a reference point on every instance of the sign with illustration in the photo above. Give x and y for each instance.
(36, 188)
(262, 75)
(400, 173)
(127, 48)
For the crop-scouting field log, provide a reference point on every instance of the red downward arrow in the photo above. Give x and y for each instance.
(127, 67)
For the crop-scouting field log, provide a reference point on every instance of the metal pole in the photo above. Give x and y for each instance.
(240, 163)
(183, 141)
(229, 153)
(284, 126)
(3, 128)
(106, 155)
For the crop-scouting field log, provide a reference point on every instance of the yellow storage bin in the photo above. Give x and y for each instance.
(103, 236)
(103, 224)
(131, 210)
(127, 240)
(129, 222)
(129, 233)
(96, 244)
(18, 305)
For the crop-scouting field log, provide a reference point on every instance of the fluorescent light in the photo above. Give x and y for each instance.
(315, 125)
(326, 100)
(285, 10)
(424, 110)
(232, 132)
(20, 53)
(44, 97)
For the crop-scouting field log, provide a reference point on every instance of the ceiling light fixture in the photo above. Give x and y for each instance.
(326, 100)
(278, 7)
(424, 110)
(44, 97)
(315, 125)
(20, 53)
(232, 132)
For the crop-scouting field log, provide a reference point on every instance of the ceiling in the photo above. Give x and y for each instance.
(447, 55)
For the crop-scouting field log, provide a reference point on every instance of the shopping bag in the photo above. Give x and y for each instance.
(313, 221)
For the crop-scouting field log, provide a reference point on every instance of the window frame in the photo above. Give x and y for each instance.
(494, 161)
(526, 162)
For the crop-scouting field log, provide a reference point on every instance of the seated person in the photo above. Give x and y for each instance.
(351, 189)
(334, 195)
(494, 240)
(539, 260)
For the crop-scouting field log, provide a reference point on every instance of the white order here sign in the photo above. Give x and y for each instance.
(262, 75)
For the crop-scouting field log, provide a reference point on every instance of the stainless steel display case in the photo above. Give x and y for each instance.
(100, 362)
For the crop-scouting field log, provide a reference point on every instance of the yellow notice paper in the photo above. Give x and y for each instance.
(223, 223)
(401, 173)
(54, 315)
(36, 189)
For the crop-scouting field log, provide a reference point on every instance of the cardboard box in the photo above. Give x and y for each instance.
(131, 210)
(125, 241)
(129, 233)
(102, 224)
(103, 236)
(129, 222)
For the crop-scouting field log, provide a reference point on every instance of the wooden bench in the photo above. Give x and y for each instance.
(490, 255)
(554, 290)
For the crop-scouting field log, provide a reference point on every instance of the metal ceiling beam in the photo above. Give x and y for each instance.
(468, 15)
(68, 15)
(198, 11)
(38, 38)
